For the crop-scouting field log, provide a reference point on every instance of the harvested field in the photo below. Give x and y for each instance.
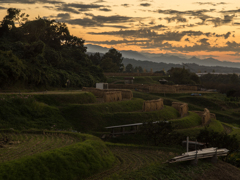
(221, 171)
(142, 163)
(130, 159)
(25, 144)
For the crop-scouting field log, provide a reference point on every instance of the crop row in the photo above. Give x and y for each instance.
(131, 159)
(20, 145)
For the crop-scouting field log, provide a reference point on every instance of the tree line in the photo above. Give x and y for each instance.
(41, 53)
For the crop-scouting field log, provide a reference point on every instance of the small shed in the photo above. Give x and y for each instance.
(102, 85)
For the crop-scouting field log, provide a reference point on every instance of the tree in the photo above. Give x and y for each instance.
(129, 68)
(157, 132)
(108, 66)
(95, 58)
(183, 76)
(140, 69)
(116, 57)
(8, 22)
(234, 78)
(217, 139)
(42, 53)
(136, 69)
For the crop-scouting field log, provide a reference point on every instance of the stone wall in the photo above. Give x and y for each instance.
(112, 96)
(182, 108)
(153, 105)
(206, 116)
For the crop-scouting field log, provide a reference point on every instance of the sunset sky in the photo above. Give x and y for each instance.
(191, 28)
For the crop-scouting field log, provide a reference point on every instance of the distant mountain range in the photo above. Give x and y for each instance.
(165, 58)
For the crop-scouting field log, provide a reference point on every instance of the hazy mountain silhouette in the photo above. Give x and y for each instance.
(165, 58)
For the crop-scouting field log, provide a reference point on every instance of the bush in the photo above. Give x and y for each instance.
(218, 139)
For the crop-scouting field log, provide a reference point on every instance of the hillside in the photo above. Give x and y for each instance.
(135, 155)
(165, 59)
(192, 66)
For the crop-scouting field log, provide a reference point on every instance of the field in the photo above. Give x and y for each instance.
(52, 155)
(26, 144)
(43, 128)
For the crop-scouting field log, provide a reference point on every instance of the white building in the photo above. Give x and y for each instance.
(102, 85)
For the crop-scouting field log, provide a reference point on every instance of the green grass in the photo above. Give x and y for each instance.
(236, 131)
(76, 161)
(145, 96)
(193, 132)
(191, 120)
(97, 116)
(61, 99)
(216, 125)
(213, 101)
(91, 117)
(202, 102)
(24, 112)
(166, 113)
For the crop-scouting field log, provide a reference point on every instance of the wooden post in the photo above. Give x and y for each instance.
(187, 143)
(196, 145)
(214, 159)
(195, 161)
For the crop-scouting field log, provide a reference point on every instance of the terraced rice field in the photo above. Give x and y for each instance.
(20, 145)
(131, 159)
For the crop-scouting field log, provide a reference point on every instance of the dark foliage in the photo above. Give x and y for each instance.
(217, 139)
(161, 133)
(41, 54)
(183, 76)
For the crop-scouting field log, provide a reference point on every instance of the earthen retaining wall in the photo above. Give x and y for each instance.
(182, 108)
(112, 96)
(153, 105)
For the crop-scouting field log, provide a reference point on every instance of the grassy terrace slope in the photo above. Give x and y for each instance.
(227, 112)
(97, 116)
(41, 111)
(54, 155)
(146, 163)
